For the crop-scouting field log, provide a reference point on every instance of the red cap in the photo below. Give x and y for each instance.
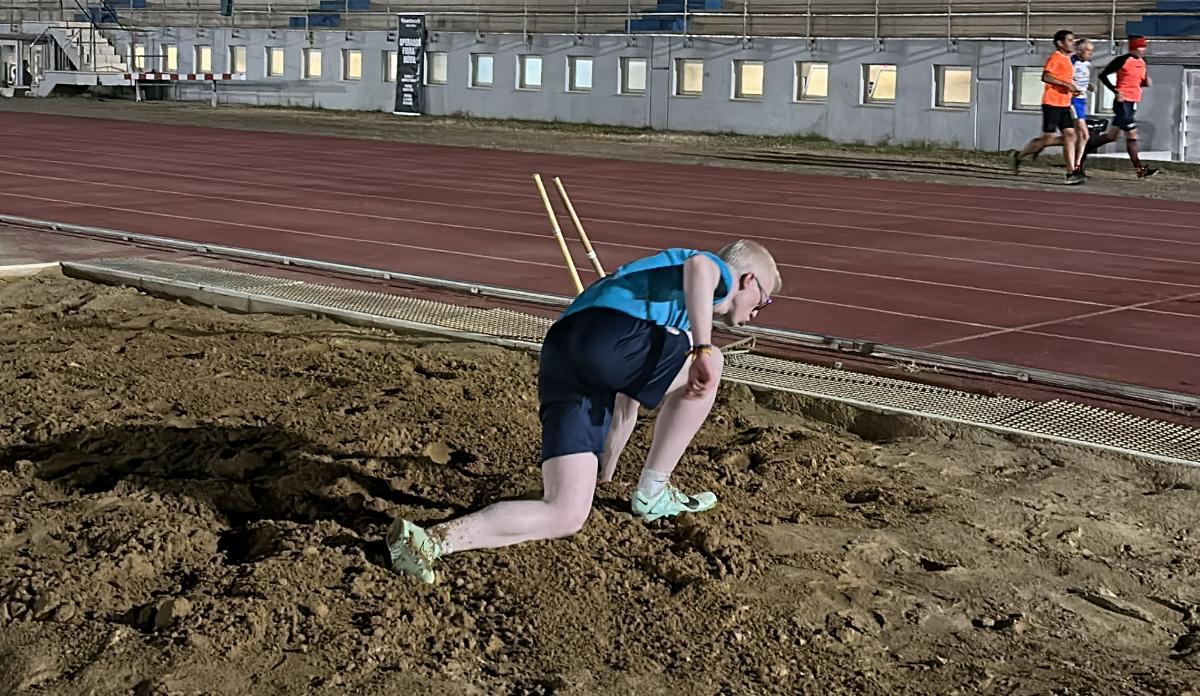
(1138, 42)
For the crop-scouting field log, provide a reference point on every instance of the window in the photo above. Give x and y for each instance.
(689, 77)
(953, 87)
(633, 76)
(482, 74)
(436, 67)
(1027, 89)
(274, 62)
(1102, 98)
(529, 72)
(812, 81)
(879, 84)
(579, 74)
(203, 62)
(390, 66)
(170, 57)
(237, 60)
(747, 79)
(312, 63)
(138, 51)
(351, 64)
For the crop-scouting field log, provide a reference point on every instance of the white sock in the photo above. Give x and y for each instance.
(652, 482)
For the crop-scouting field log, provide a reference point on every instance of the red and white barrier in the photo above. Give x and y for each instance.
(181, 77)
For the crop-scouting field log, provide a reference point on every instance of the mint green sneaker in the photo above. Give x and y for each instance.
(669, 502)
(412, 551)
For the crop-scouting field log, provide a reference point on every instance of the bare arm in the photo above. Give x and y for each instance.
(700, 279)
(1053, 81)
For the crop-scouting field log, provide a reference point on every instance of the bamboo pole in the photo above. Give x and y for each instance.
(587, 243)
(562, 243)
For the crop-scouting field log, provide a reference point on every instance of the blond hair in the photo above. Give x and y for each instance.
(745, 256)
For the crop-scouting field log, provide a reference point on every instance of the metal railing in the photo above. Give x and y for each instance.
(809, 19)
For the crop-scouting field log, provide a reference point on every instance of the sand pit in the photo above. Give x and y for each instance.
(193, 503)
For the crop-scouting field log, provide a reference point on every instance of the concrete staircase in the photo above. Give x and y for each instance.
(88, 48)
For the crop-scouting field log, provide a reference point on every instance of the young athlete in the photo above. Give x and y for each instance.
(1130, 70)
(642, 335)
(1058, 75)
(1082, 64)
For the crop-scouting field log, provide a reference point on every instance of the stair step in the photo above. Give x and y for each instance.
(1164, 26)
(342, 5)
(316, 19)
(677, 5)
(1177, 5)
(656, 24)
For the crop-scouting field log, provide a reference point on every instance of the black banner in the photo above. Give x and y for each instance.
(410, 78)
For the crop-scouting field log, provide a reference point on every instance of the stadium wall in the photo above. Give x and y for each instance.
(990, 122)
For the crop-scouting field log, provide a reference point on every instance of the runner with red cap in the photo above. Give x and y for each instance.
(1130, 70)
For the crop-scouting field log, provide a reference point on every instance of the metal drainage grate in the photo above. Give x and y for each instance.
(1057, 420)
(198, 276)
(501, 323)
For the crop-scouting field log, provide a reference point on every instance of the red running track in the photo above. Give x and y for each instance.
(1014, 276)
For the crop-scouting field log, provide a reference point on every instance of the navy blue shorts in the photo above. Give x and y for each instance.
(1125, 115)
(590, 357)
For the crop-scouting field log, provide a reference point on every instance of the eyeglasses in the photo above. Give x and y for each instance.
(763, 294)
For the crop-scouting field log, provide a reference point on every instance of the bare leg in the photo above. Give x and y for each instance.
(1036, 145)
(1084, 135)
(678, 422)
(1068, 143)
(1048, 142)
(624, 418)
(569, 483)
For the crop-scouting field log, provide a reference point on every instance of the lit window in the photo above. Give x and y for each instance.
(482, 74)
(274, 62)
(351, 64)
(389, 67)
(812, 81)
(312, 63)
(747, 79)
(203, 62)
(170, 58)
(139, 56)
(579, 74)
(953, 86)
(237, 60)
(633, 76)
(529, 72)
(880, 87)
(436, 66)
(1102, 98)
(689, 77)
(1027, 89)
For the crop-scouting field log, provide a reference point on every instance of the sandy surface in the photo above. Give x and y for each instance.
(194, 501)
(797, 155)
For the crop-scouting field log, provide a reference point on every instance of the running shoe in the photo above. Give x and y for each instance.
(1014, 161)
(412, 551)
(1146, 172)
(669, 502)
(1076, 178)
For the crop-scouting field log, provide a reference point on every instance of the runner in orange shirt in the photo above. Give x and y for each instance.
(1130, 70)
(1059, 76)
